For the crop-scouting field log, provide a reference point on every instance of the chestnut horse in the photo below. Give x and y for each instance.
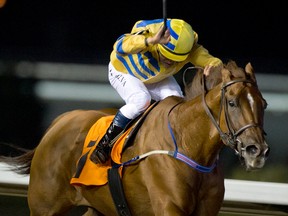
(228, 111)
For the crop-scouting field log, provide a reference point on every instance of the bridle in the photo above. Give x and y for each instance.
(231, 137)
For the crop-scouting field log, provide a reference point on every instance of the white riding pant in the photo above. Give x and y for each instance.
(138, 95)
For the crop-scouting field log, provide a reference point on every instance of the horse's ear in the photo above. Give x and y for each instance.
(250, 71)
(226, 75)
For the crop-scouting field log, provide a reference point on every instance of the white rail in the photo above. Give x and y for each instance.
(256, 192)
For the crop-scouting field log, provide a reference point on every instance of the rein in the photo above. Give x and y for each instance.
(231, 138)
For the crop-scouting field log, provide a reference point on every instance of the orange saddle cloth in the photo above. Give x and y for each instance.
(89, 173)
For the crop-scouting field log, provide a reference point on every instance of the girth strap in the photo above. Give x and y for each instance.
(117, 192)
(114, 179)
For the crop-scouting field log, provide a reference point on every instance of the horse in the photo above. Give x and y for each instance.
(225, 110)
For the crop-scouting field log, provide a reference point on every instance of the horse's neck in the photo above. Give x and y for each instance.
(154, 133)
(194, 131)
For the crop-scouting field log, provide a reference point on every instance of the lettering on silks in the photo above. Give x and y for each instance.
(121, 78)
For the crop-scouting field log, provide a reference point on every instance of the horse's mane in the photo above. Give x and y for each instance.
(195, 88)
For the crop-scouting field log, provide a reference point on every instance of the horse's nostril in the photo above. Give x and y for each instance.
(252, 149)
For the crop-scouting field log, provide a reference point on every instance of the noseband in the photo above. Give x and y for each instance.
(231, 137)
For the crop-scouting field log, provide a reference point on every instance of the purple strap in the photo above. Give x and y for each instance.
(187, 160)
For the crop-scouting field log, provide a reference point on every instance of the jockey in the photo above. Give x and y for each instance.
(141, 69)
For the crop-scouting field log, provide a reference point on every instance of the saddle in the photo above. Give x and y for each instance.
(88, 173)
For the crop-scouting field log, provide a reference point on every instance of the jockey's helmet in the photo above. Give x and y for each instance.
(182, 39)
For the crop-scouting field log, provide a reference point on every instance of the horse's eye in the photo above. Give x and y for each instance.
(231, 103)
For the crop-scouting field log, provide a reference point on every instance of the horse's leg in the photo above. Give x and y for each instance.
(211, 194)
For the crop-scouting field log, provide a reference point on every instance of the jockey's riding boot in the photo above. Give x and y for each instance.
(102, 151)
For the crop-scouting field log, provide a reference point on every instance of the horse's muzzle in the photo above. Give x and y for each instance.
(254, 156)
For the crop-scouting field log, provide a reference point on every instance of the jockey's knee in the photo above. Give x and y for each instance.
(136, 105)
(142, 101)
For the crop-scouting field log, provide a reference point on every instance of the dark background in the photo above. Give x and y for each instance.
(70, 31)
(84, 31)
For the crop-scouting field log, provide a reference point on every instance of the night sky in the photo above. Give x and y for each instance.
(84, 31)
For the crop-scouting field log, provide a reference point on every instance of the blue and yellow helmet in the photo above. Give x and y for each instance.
(182, 39)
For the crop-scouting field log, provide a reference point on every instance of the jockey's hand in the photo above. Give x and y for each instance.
(160, 38)
(209, 68)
